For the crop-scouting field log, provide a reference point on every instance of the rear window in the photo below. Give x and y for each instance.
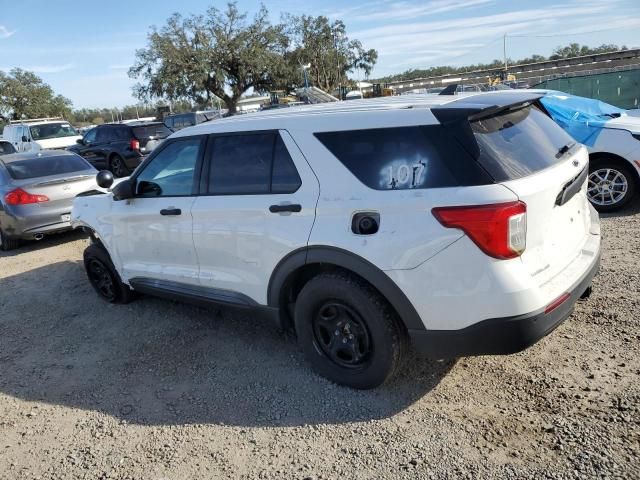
(404, 158)
(518, 143)
(45, 166)
(156, 130)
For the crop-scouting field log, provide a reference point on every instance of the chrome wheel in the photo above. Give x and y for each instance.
(607, 186)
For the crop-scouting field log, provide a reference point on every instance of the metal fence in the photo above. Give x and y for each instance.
(619, 86)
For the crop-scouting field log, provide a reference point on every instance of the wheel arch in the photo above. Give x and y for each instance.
(294, 270)
(602, 156)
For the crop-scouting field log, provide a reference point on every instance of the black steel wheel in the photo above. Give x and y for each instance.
(348, 331)
(341, 334)
(103, 275)
(101, 279)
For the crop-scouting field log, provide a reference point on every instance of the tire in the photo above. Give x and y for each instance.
(103, 276)
(612, 184)
(7, 243)
(118, 167)
(348, 332)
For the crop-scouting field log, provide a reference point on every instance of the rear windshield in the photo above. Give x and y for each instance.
(404, 157)
(518, 143)
(52, 130)
(156, 130)
(43, 166)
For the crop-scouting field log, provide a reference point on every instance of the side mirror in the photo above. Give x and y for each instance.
(80, 141)
(104, 178)
(24, 138)
(124, 190)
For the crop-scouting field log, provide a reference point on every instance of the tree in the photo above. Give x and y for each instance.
(219, 54)
(24, 94)
(577, 50)
(326, 48)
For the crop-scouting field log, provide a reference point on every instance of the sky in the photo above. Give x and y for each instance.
(83, 49)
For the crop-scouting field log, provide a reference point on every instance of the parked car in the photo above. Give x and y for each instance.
(179, 121)
(460, 224)
(6, 147)
(37, 191)
(40, 134)
(612, 137)
(120, 147)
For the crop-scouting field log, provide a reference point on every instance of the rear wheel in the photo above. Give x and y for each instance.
(348, 332)
(611, 184)
(118, 167)
(7, 243)
(103, 276)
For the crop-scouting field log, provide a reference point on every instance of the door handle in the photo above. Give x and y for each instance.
(292, 207)
(170, 211)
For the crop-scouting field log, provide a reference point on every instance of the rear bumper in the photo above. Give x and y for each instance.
(501, 336)
(27, 226)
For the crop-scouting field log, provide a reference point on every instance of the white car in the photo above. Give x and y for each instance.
(40, 134)
(459, 224)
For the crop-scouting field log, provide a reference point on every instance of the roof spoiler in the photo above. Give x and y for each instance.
(449, 89)
(478, 106)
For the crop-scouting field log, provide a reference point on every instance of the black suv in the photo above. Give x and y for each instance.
(120, 147)
(189, 119)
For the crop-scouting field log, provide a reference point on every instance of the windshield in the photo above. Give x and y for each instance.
(52, 130)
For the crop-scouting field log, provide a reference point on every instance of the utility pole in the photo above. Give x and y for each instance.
(504, 51)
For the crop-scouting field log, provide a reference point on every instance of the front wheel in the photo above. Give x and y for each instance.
(103, 275)
(348, 332)
(611, 184)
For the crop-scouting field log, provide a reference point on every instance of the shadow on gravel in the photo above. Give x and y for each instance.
(632, 209)
(46, 242)
(156, 362)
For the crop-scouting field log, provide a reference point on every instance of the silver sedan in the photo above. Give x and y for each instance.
(37, 192)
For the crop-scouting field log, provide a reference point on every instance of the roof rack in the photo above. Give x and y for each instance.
(33, 120)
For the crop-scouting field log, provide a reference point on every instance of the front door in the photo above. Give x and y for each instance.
(257, 205)
(153, 231)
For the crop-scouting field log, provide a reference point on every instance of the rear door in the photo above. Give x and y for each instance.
(257, 204)
(528, 153)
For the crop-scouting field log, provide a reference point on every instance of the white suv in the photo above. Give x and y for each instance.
(460, 225)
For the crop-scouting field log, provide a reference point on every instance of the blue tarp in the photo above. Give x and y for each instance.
(582, 118)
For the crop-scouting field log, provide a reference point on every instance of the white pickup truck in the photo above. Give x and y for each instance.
(40, 134)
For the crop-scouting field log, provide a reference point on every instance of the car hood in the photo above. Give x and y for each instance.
(61, 142)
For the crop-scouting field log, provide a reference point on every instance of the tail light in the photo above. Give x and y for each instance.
(499, 230)
(134, 144)
(20, 197)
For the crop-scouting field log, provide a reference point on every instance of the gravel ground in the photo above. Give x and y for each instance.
(162, 390)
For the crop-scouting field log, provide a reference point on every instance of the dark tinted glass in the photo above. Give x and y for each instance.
(404, 157)
(156, 130)
(122, 134)
(43, 166)
(518, 143)
(285, 176)
(241, 164)
(6, 147)
(104, 134)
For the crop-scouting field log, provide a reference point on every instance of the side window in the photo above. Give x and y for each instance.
(171, 172)
(103, 134)
(169, 122)
(90, 136)
(122, 134)
(285, 177)
(241, 164)
(404, 157)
